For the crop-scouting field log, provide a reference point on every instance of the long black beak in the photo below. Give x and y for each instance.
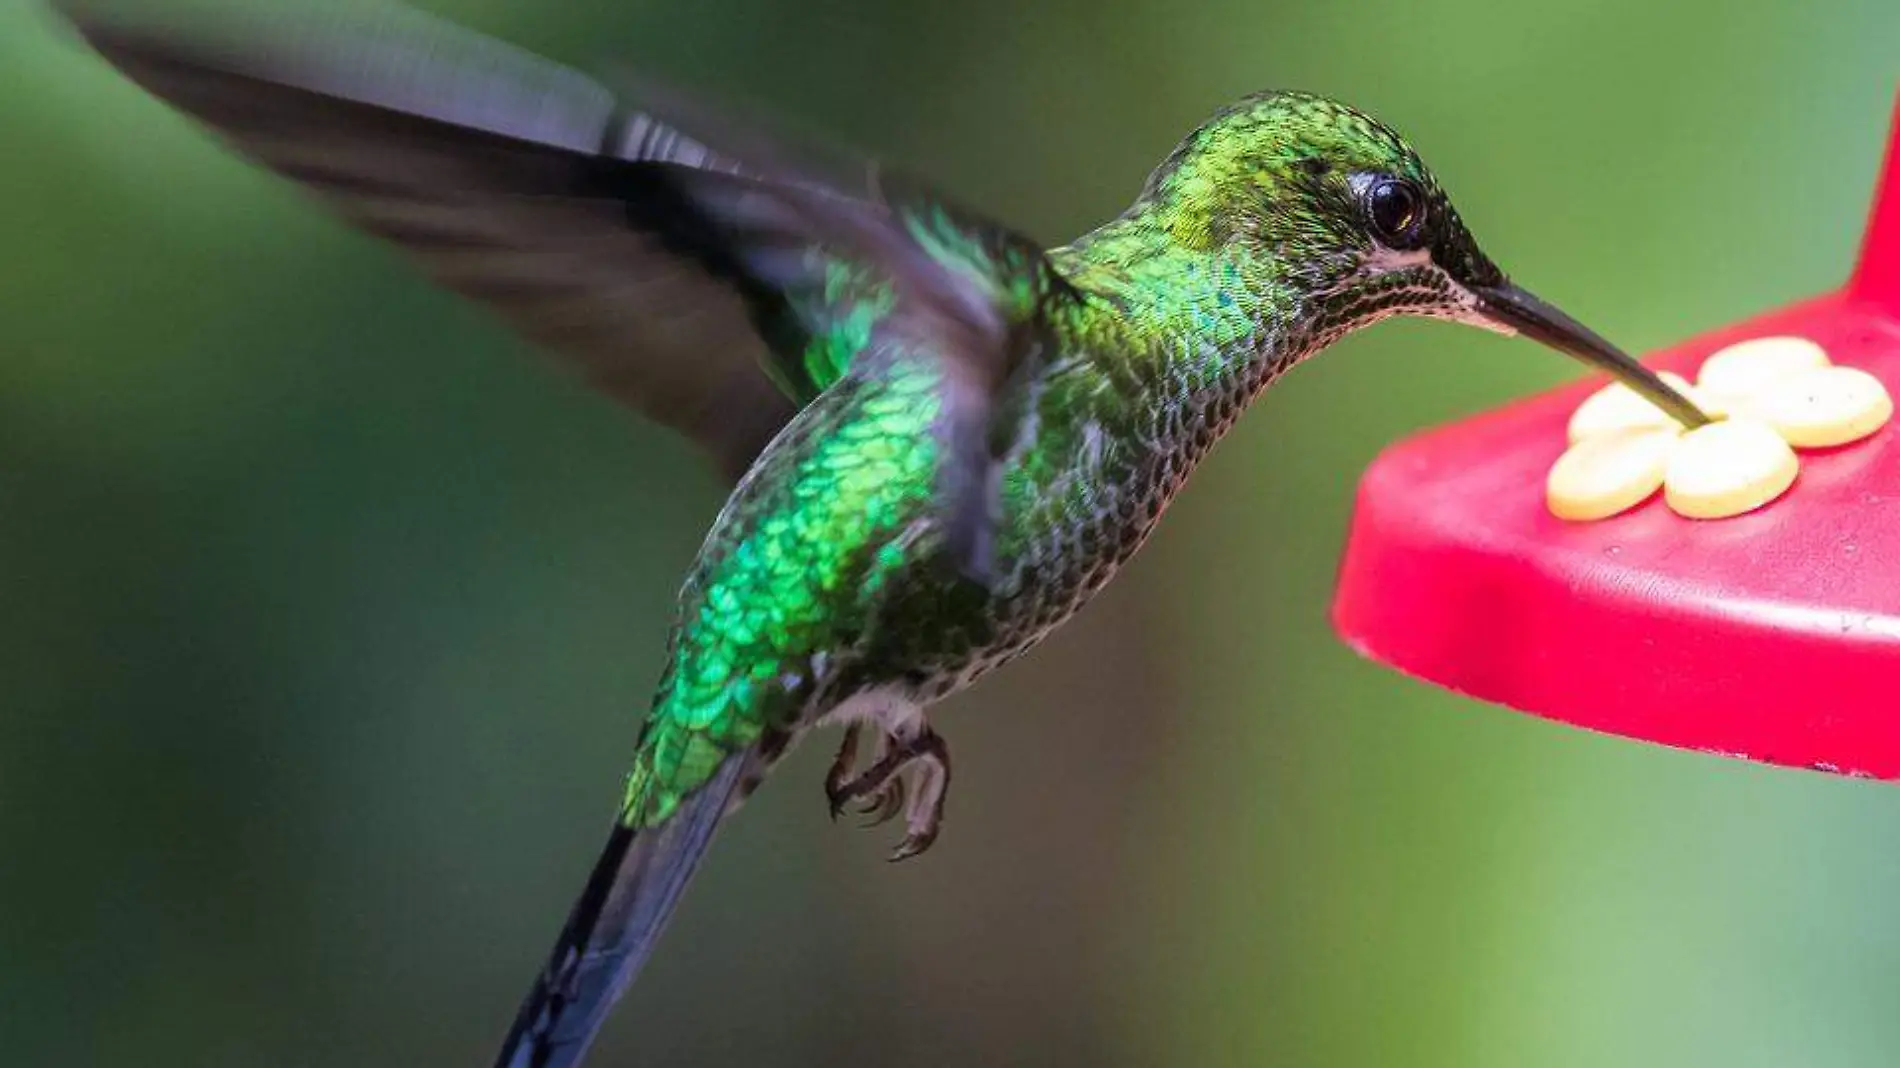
(1510, 306)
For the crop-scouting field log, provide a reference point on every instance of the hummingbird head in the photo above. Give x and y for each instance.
(1359, 228)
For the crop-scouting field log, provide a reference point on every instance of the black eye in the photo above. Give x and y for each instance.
(1396, 211)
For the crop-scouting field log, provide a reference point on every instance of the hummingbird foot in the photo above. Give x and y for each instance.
(923, 759)
(923, 816)
(885, 807)
(884, 803)
(840, 773)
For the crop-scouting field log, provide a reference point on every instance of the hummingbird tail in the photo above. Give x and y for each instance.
(613, 927)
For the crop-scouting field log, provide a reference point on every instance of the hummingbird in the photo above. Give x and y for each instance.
(942, 437)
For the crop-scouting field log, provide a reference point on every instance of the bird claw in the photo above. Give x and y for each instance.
(910, 776)
(913, 844)
(886, 805)
(838, 777)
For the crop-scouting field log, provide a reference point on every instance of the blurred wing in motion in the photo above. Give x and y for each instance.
(705, 292)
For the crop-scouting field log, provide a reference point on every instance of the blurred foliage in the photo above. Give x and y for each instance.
(332, 608)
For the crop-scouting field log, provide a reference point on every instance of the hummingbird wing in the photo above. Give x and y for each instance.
(670, 273)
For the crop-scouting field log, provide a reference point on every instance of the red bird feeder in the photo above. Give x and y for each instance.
(1773, 636)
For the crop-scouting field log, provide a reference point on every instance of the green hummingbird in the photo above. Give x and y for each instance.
(944, 437)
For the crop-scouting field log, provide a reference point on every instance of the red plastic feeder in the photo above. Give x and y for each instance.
(1773, 636)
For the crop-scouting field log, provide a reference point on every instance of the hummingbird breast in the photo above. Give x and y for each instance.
(1110, 445)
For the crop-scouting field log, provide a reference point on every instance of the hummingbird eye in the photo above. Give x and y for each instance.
(1396, 210)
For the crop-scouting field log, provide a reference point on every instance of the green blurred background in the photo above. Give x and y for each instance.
(329, 609)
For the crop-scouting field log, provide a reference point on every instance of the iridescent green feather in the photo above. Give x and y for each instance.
(781, 577)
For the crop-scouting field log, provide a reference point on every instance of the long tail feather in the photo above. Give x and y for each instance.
(613, 927)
